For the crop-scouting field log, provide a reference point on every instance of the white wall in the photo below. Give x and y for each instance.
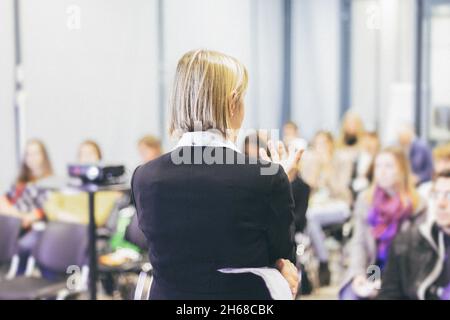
(101, 81)
(7, 156)
(383, 39)
(315, 91)
(96, 82)
(249, 30)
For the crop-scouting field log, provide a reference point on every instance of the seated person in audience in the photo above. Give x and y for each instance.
(291, 134)
(381, 212)
(419, 260)
(330, 200)
(418, 152)
(72, 206)
(119, 250)
(348, 145)
(362, 170)
(89, 152)
(441, 160)
(26, 200)
(149, 148)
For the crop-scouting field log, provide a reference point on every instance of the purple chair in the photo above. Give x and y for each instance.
(9, 236)
(61, 250)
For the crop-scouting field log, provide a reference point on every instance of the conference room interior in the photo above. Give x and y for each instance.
(86, 85)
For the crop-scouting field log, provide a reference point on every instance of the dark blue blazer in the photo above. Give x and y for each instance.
(199, 218)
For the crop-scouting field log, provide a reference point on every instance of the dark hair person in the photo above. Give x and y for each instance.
(25, 200)
(418, 266)
(202, 217)
(89, 152)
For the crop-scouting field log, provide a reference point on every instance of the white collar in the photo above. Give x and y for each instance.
(205, 139)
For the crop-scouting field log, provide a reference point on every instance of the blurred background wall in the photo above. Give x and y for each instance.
(102, 69)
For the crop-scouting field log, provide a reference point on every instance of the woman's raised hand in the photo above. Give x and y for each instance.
(288, 159)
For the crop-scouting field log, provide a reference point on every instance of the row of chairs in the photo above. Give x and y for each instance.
(62, 246)
(57, 267)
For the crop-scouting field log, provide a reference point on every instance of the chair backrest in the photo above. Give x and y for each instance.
(9, 236)
(62, 245)
(134, 234)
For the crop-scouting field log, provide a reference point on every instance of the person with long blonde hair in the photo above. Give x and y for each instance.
(390, 205)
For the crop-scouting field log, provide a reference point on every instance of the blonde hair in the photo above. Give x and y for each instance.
(350, 115)
(150, 142)
(206, 84)
(442, 152)
(407, 188)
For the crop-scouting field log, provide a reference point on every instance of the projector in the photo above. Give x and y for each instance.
(96, 173)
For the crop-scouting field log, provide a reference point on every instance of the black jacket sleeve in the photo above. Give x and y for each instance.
(300, 193)
(281, 222)
(391, 284)
(132, 199)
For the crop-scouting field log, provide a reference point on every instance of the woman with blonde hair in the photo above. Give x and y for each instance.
(389, 206)
(203, 207)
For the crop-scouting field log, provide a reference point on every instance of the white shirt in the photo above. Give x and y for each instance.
(205, 139)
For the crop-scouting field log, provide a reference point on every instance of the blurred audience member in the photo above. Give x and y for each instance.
(441, 160)
(419, 261)
(26, 200)
(149, 148)
(362, 171)
(349, 145)
(89, 152)
(418, 152)
(291, 135)
(390, 205)
(71, 206)
(330, 200)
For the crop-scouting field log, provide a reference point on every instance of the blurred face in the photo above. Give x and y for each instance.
(147, 153)
(322, 145)
(88, 154)
(441, 165)
(387, 173)
(351, 125)
(34, 159)
(441, 201)
(289, 133)
(405, 137)
(370, 144)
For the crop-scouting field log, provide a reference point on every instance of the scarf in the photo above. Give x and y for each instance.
(385, 216)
